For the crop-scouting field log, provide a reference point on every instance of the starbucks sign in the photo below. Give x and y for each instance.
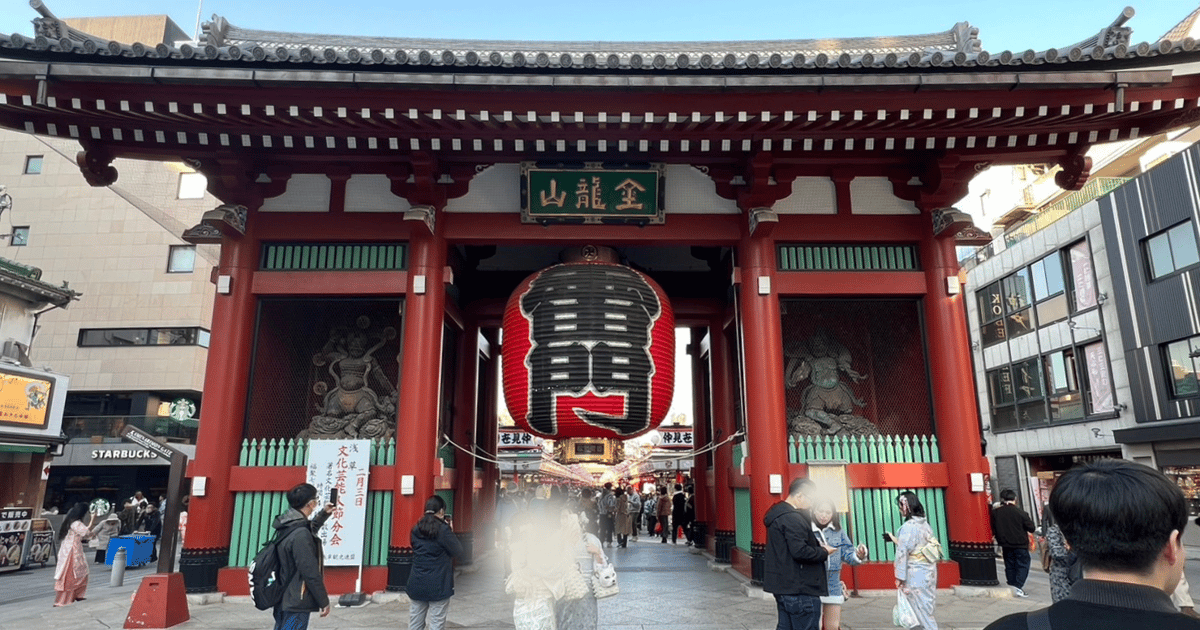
(183, 409)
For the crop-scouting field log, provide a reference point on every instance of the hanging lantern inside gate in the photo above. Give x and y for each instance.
(589, 350)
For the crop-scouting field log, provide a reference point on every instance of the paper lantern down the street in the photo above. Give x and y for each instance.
(589, 351)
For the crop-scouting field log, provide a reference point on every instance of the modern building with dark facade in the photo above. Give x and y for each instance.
(1150, 225)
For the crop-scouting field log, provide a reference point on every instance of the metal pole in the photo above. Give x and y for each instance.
(117, 577)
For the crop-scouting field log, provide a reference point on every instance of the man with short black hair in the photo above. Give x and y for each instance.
(1125, 522)
(678, 507)
(607, 504)
(1011, 526)
(794, 560)
(301, 559)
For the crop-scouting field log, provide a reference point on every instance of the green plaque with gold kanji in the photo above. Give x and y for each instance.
(595, 193)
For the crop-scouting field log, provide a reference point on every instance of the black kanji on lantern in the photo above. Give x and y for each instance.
(590, 329)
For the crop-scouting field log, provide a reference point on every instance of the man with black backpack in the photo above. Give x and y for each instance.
(300, 560)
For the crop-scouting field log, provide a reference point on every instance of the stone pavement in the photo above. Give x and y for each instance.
(662, 586)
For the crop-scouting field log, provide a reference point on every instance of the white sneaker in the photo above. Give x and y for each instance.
(1019, 593)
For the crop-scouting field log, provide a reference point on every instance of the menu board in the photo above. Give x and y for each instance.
(41, 544)
(14, 529)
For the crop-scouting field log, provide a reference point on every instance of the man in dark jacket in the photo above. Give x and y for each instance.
(678, 509)
(794, 562)
(1124, 521)
(1011, 526)
(151, 522)
(301, 560)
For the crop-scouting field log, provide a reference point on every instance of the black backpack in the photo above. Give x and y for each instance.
(267, 582)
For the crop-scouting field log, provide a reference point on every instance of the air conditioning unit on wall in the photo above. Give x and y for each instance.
(14, 351)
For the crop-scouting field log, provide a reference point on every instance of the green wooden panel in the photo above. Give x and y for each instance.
(744, 519)
(379, 528)
(333, 256)
(448, 497)
(847, 258)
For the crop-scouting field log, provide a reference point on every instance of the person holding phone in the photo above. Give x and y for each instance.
(794, 560)
(301, 558)
(829, 528)
(431, 581)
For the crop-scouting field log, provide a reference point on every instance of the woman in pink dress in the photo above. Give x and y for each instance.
(71, 573)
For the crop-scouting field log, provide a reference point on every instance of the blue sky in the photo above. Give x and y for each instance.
(1010, 25)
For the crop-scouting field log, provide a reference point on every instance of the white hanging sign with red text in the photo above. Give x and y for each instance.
(345, 465)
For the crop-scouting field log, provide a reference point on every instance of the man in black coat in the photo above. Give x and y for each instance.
(1124, 521)
(794, 562)
(678, 512)
(301, 560)
(151, 522)
(1011, 526)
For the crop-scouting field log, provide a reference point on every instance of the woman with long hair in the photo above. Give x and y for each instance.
(1064, 569)
(916, 560)
(431, 582)
(71, 572)
(829, 526)
(576, 609)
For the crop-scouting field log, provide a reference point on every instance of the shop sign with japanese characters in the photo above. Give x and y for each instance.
(595, 193)
(345, 465)
(509, 439)
(675, 438)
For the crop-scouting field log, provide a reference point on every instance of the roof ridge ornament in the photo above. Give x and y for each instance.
(1115, 34)
(56, 30)
(967, 38)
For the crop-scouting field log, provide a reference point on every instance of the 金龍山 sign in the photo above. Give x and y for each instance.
(592, 194)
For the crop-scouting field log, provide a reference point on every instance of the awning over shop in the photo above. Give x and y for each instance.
(1184, 429)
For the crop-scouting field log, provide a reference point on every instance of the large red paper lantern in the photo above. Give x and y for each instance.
(589, 351)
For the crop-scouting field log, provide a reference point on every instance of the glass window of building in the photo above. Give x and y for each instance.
(109, 337)
(1002, 395)
(33, 165)
(181, 259)
(1062, 385)
(20, 236)
(1183, 359)
(1172, 250)
(991, 313)
(1018, 297)
(1049, 289)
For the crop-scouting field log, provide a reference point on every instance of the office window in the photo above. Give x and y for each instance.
(1183, 358)
(991, 313)
(1002, 395)
(1018, 297)
(1062, 385)
(20, 236)
(33, 165)
(1172, 250)
(192, 186)
(178, 336)
(1049, 289)
(181, 259)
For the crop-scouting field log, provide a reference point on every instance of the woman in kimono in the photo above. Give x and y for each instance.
(829, 527)
(576, 609)
(916, 575)
(537, 576)
(71, 572)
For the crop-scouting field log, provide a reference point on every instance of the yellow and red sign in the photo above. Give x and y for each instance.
(25, 401)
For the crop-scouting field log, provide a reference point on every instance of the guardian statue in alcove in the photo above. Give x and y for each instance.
(828, 403)
(362, 402)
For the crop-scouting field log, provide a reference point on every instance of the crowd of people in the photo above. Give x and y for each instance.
(1113, 531)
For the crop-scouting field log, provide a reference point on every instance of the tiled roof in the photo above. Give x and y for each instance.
(228, 45)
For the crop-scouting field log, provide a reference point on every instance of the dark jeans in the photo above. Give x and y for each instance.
(798, 612)
(1016, 566)
(290, 620)
(650, 521)
(606, 528)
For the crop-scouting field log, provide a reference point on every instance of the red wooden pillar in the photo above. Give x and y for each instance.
(700, 437)
(724, 424)
(222, 418)
(957, 415)
(420, 387)
(463, 433)
(766, 418)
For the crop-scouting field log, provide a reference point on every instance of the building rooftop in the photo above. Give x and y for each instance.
(25, 282)
(957, 47)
